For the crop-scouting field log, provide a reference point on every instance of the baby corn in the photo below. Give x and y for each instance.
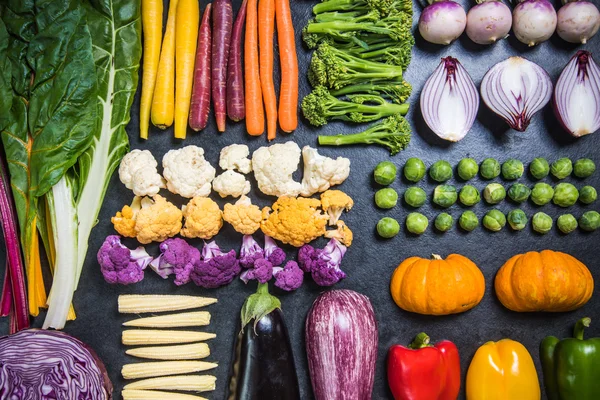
(162, 368)
(132, 394)
(192, 383)
(150, 336)
(181, 352)
(194, 318)
(137, 303)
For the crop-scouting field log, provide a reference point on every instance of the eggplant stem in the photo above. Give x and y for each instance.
(258, 305)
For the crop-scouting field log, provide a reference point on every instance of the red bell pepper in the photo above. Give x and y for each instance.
(423, 371)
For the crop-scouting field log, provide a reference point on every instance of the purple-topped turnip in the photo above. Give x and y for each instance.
(534, 21)
(442, 22)
(578, 21)
(488, 21)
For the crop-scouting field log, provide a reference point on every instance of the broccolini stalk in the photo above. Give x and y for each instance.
(393, 133)
(395, 91)
(378, 48)
(382, 6)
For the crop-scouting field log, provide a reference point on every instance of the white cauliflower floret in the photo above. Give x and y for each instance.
(320, 172)
(187, 172)
(273, 168)
(231, 183)
(235, 156)
(138, 172)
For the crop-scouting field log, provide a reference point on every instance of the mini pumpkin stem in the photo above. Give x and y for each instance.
(421, 340)
(436, 257)
(580, 326)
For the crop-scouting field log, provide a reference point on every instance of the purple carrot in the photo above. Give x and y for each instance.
(236, 110)
(200, 104)
(222, 21)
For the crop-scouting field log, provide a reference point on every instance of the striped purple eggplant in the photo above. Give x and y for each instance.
(341, 345)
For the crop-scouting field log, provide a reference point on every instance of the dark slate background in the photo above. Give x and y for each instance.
(370, 261)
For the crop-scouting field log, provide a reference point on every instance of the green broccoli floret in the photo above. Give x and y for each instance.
(396, 91)
(382, 6)
(336, 68)
(320, 106)
(392, 132)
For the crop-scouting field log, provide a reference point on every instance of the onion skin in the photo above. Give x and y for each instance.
(488, 22)
(27, 354)
(534, 21)
(577, 95)
(442, 22)
(448, 94)
(578, 21)
(341, 346)
(515, 89)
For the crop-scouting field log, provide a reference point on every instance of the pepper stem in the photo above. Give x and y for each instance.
(580, 326)
(421, 340)
(436, 257)
(258, 305)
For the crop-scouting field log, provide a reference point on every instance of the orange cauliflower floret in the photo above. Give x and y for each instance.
(124, 220)
(157, 220)
(334, 202)
(343, 234)
(244, 216)
(203, 218)
(295, 221)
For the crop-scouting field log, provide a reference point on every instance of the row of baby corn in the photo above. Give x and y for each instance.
(179, 354)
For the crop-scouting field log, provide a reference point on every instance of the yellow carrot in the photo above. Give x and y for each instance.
(152, 16)
(163, 101)
(186, 35)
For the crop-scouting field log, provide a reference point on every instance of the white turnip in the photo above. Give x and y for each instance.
(578, 21)
(488, 22)
(534, 21)
(442, 22)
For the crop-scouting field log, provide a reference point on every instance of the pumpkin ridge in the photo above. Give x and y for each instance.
(466, 269)
(406, 290)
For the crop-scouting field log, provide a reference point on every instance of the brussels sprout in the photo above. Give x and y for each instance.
(542, 193)
(467, 169)
(565, 195)
(445, 195)
(469, 195)
(416, 223)
(494, 220)
(415, 196)
(386, 198)
(441, 171)
(517, 219)
(468, 221)
(561, 168)
(443, 222)
(542, 223)
(539, 168)
(414, 169)
(512, 169)
(490, 168)
(590, 221)
(519, 193)
(494, 193)
(584, 168)
(588, 195)
(566, 223)
(388, 227)
(385, 173)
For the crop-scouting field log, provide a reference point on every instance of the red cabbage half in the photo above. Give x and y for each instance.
(50, 365)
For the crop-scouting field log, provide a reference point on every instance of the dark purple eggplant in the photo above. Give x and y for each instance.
(263, 367)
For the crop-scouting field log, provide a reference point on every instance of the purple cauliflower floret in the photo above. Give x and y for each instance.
(121, 265)
(273, 253)
(290, 277)
(250, 252)
(215, 268)
(262, 272)
(323, 265)
(177, 257)
(306, 257)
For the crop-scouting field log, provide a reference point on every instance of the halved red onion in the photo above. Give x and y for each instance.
(516, 89)
(449, 100)
(577, 95)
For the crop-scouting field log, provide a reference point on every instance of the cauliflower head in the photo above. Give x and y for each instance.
(203, 218)
(231, 183)
(320, 172)
(124, 220)
(244, 216)
(235, 156)
(343, 234)
(295, 221)
(290, 277)
(187, 172)
(215, 268)
(157, 220)
(138, 172)
(273, 168)
(334, 202)
(120, 265)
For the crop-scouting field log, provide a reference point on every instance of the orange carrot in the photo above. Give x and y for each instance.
(255, 115)
(288, 92)
(266, 31)
(152, 16)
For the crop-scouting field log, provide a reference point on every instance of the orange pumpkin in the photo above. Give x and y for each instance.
(546, 281)
(437, 286)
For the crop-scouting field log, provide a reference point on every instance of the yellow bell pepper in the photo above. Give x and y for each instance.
(502, 370)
